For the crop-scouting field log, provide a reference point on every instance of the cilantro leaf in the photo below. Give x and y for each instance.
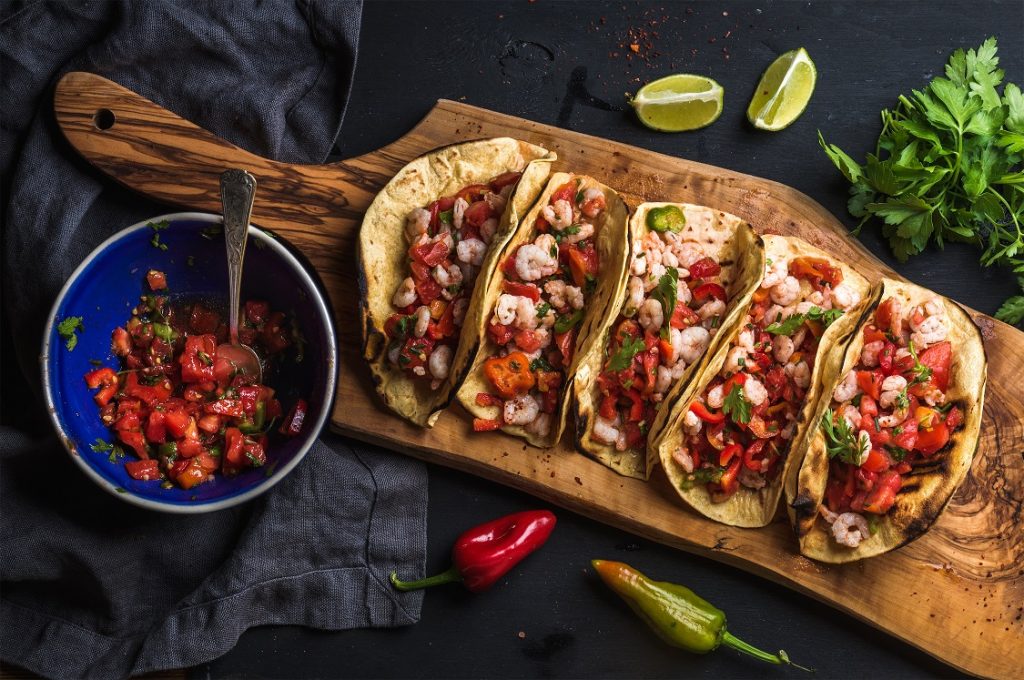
(792, 323)
(623, 357)
(667, 292)
(736, 405)
(67, 329)
(921, 372)
(540, 364)
(840, 441)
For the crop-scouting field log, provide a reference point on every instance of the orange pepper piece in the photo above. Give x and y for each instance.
(510, 375)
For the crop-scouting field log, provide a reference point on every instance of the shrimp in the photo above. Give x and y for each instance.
(471, 251)
(669, 259)
(593, 202)
(606, 431)
(526, 313)
(521, 410)
(586, 230)
(505, 309)
(746, 339)
(549, 318)
(863, 446)
(869, 353)
(489, 228)
(683, 458)
(735, 360)
(751, 479)
(422, 317)
(687, 252)
(638, 267)
(847, 389)
(850, 529)
(406, 293)
(692, 422)
(445, 276)
(559, 215)
(656, 271)
(774, 314)
(534, 261)
(683, 293)
(782, 348)
(755, 391)
(418, 222)
(804, 307)
(459, 212)
(786, 292)
(541, 425)
(496, 201)
(459, 310)
(634, 296)
(845, 297)
(774, 274)
(694, 340)
(892, 420)
(440, 361)
(800, 372)
(933, 329)
(711, 310)
(851, 414)
(716, 397)
(663, 381)
(892, 388)
(651, 315)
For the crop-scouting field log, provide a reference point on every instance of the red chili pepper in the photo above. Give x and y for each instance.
(485, 553)
(708, 416)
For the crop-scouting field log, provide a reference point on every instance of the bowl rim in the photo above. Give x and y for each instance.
(319, 298)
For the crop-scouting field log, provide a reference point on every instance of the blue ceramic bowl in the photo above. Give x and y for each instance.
(103, 291)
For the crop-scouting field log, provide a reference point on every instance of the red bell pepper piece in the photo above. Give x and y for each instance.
(709, 290)
(487, 552)
(105, 378)
(704, 268)
(292, 425)
(524, 289)
(488, 399)
(486, 424)
(705, 414)
(500, 333)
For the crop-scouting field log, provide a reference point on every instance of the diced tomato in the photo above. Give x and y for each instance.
(609, 407)
(143, 470)
(488, 399)
(446, 324)
(135, 440)
(930, 440)
(225, 407)
(189, 447)
(292, 425)
(868, 406)
(500, 333)
(870, 383)
(666, 351)
(876, 461)
(524, 289)
(566, 192)
(430, 254)
(938, 358)
(709, 290)
(150, 394)
(582, 264)
(178, 423)
(419, 270)
(209, 423)
(191, 475)
(683, 316)
(156, 431)
(704, 268)
(508, 265)
(872, 334)
(906, 438)
(486, 424)
(478, 213)
(197, 359)
(120, 342)
(472, 192)
(203, 321)
(256, 311)
(883, 493)
(954, 418)
(886, 357)
(885, 315)
(566, 344)
(415, 352)
(503, 180)
(156, 280)
(635, 438)
(439, 206)
(428, 290)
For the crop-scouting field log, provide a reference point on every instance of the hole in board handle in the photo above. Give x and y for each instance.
(104, 119)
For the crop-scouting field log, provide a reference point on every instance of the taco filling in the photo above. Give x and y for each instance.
(739, 430)
(674, 305)
(888, 415)
(539, 312)
(448, 241)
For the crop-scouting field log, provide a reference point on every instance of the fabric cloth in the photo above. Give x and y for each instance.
(93, 586)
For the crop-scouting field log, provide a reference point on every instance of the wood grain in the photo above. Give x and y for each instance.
(957, 593)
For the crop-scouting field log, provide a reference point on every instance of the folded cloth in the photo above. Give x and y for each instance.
(91, 586)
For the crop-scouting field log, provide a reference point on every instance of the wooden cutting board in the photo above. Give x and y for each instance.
(957, 593)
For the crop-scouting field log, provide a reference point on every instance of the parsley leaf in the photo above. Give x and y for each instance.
(569, 321)
(898, 453)
(623, 357)
(947, 166)
(704, 475)
(792, 323)
(921, 372)
(540, 364)
(542, 310)
(840, 441)
(736, 405)
(667, 292)
(101, 446)
(67, 328)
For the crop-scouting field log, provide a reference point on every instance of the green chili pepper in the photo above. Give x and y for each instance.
(666, 218)
(258, 419)
(677, 614)
(564, 323)
(163, 331)
(170, 449)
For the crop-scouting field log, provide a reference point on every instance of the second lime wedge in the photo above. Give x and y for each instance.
(784, 91)
(679, 102)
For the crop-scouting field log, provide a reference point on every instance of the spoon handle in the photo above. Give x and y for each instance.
(237, 193)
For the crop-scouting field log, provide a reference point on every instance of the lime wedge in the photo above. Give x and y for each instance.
(679, 102)
(784, 90)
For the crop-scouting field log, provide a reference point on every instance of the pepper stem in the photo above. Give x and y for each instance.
(450, 576)
(731, 640)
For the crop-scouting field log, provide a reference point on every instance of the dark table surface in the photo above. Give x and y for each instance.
(566, 64)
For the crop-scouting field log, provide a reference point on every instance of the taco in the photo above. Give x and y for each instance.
(692, 272)
(896, 430)
(433, 231)
(549, 298)
(739, 427)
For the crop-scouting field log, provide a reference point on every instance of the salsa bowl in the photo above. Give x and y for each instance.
(189, 248)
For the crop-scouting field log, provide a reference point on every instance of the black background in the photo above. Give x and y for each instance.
(553, 62)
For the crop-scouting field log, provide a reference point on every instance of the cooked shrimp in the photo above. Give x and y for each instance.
(418, 222)
(521, 410)
(847, 389)
(469, 272)
(844, 297)
(851, 414)
(549, 318)
(755, 391)
(489, 228)
(505, 309)
(651, 315)
(559, 215)
(774, 274)
(655, 271)
(746, 339)
(800, 372)
(634, 296)
(782, 348)
(540, 426)
(638, 267)
(716, 397)
(683, 293)
(422, 317)
(459, 310)
(751, 479)
(735, 360)
(933, 329)
(892, 420)
(449, 275)
(526, 313)
(692, 423)
(406, 293)
(669, 259)
(869, 353)
(534, 260)
(774, 314)
(684, 459)
(440, 361)
(459, 212)
(693, 342)
(471, 251)
(687, 252)
(850, 529)
(586, 230)
(606, 431)
(786, 291)
(593, 202)
(711, 309)
(892, 387)
(663, 381)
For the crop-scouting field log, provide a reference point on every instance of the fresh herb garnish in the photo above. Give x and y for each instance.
(793, 322)
(840, 441)
(204, 357)
(568, 231)
(947, 167)
(67, 328)
(902, 401)
(568, 321)
(101, 446)
(445, 217)
(898, 453)
(156, 227)
(706, 475)
(256, 462)
(667, 292)
(736, 405)
(542, 310)
(922, 373)
(540, 364)
(623, 357)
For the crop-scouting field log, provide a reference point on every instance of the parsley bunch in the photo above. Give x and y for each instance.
(840, 441)
(947, 167)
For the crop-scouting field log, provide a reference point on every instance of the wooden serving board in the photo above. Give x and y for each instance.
(956, 593)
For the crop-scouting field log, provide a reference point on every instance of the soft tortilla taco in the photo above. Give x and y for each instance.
(430, 234)
(692, 272)
(549, 298)
(895, 432)
(739, 428)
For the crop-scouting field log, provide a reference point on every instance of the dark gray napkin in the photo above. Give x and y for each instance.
(92, 586)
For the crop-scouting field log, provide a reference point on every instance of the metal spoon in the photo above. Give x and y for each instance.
(237, 193)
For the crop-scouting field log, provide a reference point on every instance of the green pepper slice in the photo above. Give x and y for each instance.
(666, 218)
